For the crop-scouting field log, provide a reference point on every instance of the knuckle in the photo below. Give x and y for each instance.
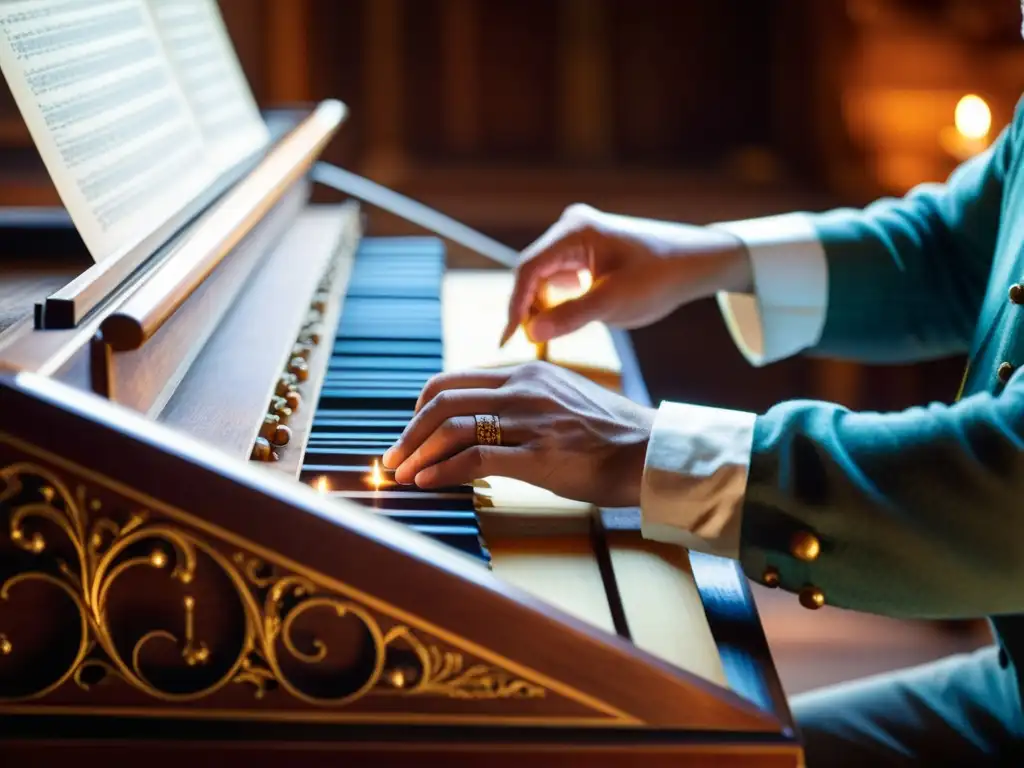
(450, 429)
(578, 212)
(476, 457)
(525, 268)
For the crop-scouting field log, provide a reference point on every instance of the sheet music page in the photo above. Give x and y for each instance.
(200, 49)
(103, 106)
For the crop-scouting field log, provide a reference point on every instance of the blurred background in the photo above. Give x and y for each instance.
(503, 112)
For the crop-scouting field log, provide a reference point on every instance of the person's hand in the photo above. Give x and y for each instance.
(559, 431)
(643, 270)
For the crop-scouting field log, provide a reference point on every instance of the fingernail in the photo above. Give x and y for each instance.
(508, 334)
(423, 478)
(387, 458)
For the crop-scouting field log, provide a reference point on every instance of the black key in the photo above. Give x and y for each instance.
(327, 424)
(343, 437)
(329, 393)
(456, 499)
(365, 363)
(322, 456)
(465, 518)
(388, 348)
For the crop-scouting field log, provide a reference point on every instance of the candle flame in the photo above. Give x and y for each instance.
(376, 476)
(322, 485)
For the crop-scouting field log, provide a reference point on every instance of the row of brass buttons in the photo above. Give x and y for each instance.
(806, 547)
(1006, 370)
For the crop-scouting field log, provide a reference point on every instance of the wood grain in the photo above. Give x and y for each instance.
(357, 552)
(54, 351)
(226, 393)
(212, 239)
(145, 379)
(71, 303)
(23, 283)
(331, 748)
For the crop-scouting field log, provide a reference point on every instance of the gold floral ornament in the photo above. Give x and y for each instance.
(101, 571)
(134, 587)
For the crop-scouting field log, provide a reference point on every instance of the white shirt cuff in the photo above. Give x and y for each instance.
(695, 477)
(786, 313)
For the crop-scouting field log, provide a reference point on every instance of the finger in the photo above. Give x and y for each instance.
(560, 286)
(449, 403)
(571, 315)
(478, 462)
(453, 436)
(566, 253)
(462, 380)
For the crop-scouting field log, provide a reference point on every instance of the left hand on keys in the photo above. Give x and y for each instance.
(557, 430)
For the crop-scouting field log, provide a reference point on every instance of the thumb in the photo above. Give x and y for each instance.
(571, 315)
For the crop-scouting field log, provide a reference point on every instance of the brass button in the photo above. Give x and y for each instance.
(1017, 293)
(812, 598)
(770, 577)
(805, 546)
(1004, 372)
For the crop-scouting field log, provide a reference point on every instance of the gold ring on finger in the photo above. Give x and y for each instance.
(488, 429)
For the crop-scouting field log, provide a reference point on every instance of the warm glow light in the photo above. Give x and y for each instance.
(973, 118)
(376, 476)
(586, 279)
(322, 485)
(559, 294)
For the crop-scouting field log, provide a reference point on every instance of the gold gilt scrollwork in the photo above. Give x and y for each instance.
(76, 547)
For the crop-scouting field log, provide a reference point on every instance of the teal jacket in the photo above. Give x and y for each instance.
(918, 513)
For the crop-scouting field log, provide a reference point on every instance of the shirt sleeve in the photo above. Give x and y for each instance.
(698, 458)
(695, 477)
(786, 312)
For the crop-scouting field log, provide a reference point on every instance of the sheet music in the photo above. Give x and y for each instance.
(201, 51)
(103, 105)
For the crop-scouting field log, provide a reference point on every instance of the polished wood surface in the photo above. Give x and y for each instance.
(385, 752)
(144, 379)
(226, 503)
(26, 282)
(71, 303)
(251, 347)
(206, 245)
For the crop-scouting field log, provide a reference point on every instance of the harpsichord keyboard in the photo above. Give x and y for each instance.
(387, 345)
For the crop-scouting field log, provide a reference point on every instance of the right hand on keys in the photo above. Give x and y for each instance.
(643, 270)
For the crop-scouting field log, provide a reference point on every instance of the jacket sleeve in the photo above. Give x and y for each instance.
(918, 513)
(906, 277)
